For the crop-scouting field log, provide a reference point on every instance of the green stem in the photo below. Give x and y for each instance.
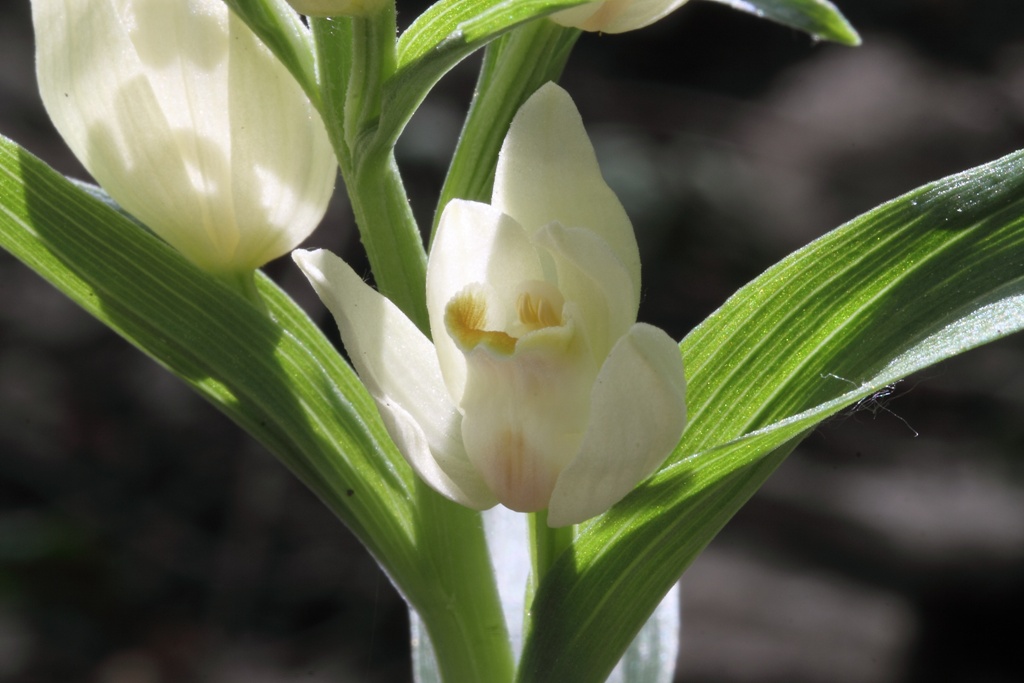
(373, 51)
(454, 593)
(546, 544)
(514, 66)
(244, 283)
(332, 40)
(391, 237)
(356, 56)
(462, 609)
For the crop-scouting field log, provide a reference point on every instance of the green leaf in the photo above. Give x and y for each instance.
(468, 22)
(915, 281)
(277, 376)
(444, 35)
(820, 18)
(281, 29)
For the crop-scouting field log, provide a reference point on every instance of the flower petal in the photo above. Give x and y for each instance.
(547, 172)
(628, 15)
(576, 17)
(164, 103)
(592, 277)
(637, 415)
(397, 364)
(474, 244)
(524, 413)
(616, 16)
(282, 163)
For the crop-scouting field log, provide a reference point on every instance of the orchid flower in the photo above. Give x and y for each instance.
(616, 16)
(188, 122)
(540, 390)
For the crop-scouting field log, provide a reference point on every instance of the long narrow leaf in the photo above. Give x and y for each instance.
(444, 35)
(915, 281)
(274, 374)
(820, 18)
(468, 22)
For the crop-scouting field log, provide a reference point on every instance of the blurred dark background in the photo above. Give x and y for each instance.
(145, 539)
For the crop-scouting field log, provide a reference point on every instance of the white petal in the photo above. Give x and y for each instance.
(397, 364)
(524, 413)
(592, 277)
(443, 463)
(617, 16)
(547, 172)
(165, 105)
(634, 14)
(474, 244)
(576, 17)
(637, 414)
(282, 163)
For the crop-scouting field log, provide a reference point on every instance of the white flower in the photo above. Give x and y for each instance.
(188, 122)
(616, 16)
(540, 389)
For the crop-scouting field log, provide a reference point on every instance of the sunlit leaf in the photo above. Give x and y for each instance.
(277, 376)
(913, 282)
(444, 35)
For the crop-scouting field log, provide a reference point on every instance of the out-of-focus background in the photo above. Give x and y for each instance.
(145, 539)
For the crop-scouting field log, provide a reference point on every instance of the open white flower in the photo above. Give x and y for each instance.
(616, 16)
(189, 122)
(540, 389)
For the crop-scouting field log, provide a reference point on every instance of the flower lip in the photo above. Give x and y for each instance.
(470, 322)
(465, 318)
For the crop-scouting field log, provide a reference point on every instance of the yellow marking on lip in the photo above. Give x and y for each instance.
(465, 316)
(536, 312)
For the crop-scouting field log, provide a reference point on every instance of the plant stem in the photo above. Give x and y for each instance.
(244, 283)
(546, 544)
(461, 608)
(388, 231)
(454, 590)
(356, 56)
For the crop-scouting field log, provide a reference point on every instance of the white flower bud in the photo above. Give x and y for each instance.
(616, 16)
(189, 122)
